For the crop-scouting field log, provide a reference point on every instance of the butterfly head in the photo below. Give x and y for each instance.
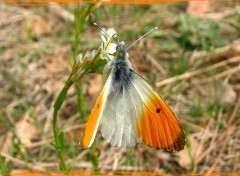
(120, 50)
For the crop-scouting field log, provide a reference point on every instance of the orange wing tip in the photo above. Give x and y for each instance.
(82, 145)
(158, 127)
(92, 124)
(176, 147)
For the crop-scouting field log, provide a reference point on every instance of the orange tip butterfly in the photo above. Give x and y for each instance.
(130, 111)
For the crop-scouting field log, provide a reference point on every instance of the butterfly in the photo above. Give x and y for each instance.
(130, 111)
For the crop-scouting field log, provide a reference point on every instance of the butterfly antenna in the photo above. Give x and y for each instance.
(111, 38)
(118, 38)
(153, 29)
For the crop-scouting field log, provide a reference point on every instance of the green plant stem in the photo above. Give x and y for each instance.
(81, 104)
(3, 169)
(189, 147)
(79, 24)
(82, 13)
(94, 158)
(81, 16)
(57, 106)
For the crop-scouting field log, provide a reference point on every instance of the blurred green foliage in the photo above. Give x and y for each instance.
(191, 33)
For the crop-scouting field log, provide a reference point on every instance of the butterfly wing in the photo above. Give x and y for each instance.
(156, 124)
(95, 116)
(137, 113)
(119, 119)
(133, 114)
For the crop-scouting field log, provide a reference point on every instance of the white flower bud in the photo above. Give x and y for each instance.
(92, 55)
(79, 59)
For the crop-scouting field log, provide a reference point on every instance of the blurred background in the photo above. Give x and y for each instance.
(192, 60)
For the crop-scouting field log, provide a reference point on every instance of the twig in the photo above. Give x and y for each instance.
(16, 160)
(73, 127)
(219, 16)
(199, 72)
(197, 155)
(224, 51)
(220, 75)
(63, 13)
(234, 113)
(156, 64)
(40, 143)
(191, 125)
(204, 154)
(220, 153)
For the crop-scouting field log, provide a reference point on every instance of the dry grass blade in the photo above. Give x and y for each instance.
(231, 71)
(201, 71)
(234, 113)
(23, 163)
(212, 168)
(62, 12)
(232, 49)
(220, 15)
(156, 64)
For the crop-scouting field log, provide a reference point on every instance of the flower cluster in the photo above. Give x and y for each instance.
(95, 61)
(108, 48)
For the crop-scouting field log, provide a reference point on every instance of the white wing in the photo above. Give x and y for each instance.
(119, 118)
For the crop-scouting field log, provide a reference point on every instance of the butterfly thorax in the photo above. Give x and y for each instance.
(122, 70)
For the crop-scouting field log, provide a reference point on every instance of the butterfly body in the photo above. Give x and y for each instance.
(129, 111)
(122, 73)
